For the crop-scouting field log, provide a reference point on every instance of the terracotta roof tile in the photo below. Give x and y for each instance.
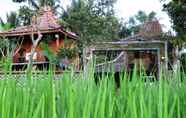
(45, 22)
(46, 19)
(148, 31)
(152, 28)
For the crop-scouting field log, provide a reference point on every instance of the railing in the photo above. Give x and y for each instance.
(22, 66)
(34, 63)
(38, 68)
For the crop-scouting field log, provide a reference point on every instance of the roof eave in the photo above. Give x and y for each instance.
(9, 34)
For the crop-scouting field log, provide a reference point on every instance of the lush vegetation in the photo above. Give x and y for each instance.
(74, 95)
(176, 11)
(77, 95)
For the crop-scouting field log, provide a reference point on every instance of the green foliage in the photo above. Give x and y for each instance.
(141, 17)
(92, 20)
(177, 12)
(5, 26)
(71, 96)
(25, 15)
(124, 32)
(6, 46)
(132, 26)
(48, 53)
(67, 52)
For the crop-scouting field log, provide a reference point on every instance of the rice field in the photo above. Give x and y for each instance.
(76, 96)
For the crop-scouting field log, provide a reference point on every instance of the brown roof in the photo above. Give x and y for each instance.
(152, 28)
(45, 22)
(148, 31)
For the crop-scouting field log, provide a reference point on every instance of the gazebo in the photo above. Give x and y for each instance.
(52, 32)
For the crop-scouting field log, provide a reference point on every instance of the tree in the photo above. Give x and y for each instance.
(177, 12)
(132, 26)
(124, 30)
(7, 47)
(25, 15)
(35, 43)
(92, 20)
(141, 17)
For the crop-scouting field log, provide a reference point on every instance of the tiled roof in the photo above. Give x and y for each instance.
(148, 31)
(46, 19)
(152, 28)
(45, 22)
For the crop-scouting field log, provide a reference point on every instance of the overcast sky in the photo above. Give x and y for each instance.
(124, 9)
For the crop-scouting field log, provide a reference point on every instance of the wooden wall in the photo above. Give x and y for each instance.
(54, 46)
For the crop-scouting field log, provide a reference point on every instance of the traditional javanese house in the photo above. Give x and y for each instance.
(53, 34)
(149, 48)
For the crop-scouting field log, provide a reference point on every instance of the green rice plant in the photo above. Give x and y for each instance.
(72, 95)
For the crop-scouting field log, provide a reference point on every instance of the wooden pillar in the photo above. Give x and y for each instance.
(57, 40)
(166, 55)
(57, 43)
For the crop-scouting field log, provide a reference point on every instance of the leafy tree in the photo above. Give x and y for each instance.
(134, 22)
(177, 12)
(152, 16)
(124, 30)
(7, 47)
(141, 17)
(25, 15)
(92, 20)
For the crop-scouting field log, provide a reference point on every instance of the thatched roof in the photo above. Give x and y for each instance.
(45, 22)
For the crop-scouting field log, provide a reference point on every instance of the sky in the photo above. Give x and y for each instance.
(124, 9)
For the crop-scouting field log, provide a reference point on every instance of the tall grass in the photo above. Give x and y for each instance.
(72, 96)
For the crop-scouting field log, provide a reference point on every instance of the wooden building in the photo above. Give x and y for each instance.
(52, 32)
(149, 48)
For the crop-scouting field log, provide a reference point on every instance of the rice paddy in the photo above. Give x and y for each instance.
(74, 96)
